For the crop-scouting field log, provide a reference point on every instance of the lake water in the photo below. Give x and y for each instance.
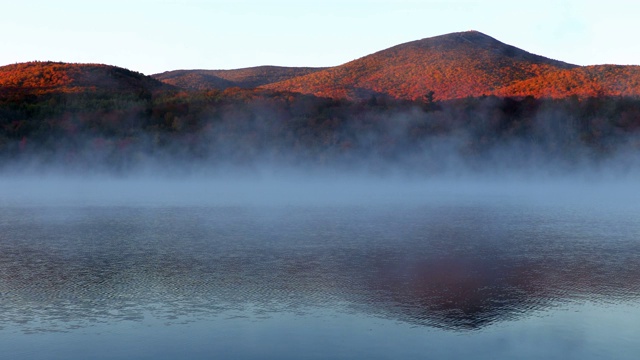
(457, 277)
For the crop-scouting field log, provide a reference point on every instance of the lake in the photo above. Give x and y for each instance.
(469, 274)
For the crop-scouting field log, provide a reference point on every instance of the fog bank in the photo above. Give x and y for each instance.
(295, 189)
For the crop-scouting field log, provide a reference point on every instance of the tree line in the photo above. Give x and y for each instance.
(123, 130)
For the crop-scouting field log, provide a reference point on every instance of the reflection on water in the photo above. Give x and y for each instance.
(448, 267)
(454, 268)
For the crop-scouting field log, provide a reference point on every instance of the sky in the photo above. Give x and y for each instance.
(152, 36)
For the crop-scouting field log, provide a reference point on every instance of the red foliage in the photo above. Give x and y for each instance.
(46, 77)
(453, 66)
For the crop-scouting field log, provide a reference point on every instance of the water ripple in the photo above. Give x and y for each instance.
(454, 268)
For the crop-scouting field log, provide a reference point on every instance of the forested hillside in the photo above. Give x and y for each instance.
(457, 102)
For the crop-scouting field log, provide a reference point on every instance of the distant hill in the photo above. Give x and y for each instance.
(451, 66)
(599, 80)
(56, 77)
(222, 79)
(194, 80)
(455, 65)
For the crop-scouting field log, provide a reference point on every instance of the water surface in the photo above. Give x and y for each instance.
(457, 277)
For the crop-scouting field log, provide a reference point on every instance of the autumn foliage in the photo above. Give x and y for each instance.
(462, 98)
(453, 66)
(223, 79)
(48, 77)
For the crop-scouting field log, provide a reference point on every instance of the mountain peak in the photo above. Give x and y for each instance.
(471, 33)
(454, 65)
(460, 40)
(476, 36)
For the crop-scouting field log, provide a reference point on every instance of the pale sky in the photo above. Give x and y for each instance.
(152, 36)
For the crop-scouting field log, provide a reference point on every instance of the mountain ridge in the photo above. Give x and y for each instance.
(585, 81)
(453, 65)
(41, 77)
(251, 77)
(446, 67)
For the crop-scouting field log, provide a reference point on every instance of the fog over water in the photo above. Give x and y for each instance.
(255, 188)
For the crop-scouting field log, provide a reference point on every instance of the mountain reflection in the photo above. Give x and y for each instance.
(456, 268)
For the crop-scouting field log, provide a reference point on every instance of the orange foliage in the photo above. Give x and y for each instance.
(223, 79)
(588, 81)
(456, 65)
(47, 77)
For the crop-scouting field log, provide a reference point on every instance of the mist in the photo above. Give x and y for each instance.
(247, 148)
(305, 191)
(445, 221)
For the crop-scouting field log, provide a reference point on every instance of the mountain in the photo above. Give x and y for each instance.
(56, 77)
(451, 66)
(221, 79)
(194, 80)
(455, 65)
